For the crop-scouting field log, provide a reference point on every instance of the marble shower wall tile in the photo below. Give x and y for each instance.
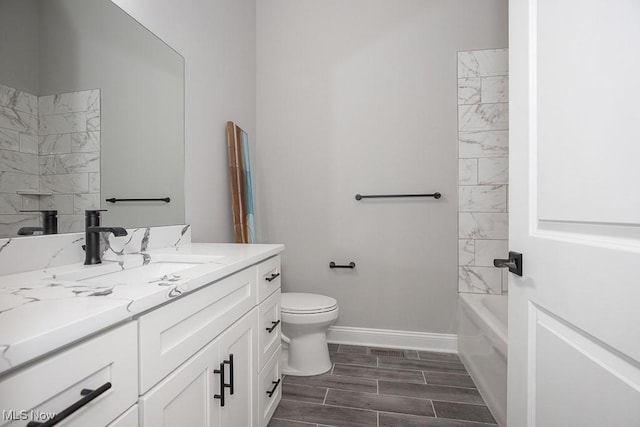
(9, 139)
(65, 184)
(493, 170)
(480, 280)
(483, 176)
(54, 144)
(94, 182)
(495, 89)
(467, 171)
(63, 123)
(63, 203)
(469, 90)
(69, 163)
(83, 142)
(18, 121)
(483, 63)
(482, 198)
(87, 100)
(478, 117)
(69, 147)
(10, 204)
(14, 161)
(83, 202)
(61, 134)
(10, 182)
(476, 225)
(466, 252)
(18, 151)
(483, 144)
(18, 100)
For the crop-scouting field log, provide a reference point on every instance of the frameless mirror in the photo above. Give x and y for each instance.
(91, 108)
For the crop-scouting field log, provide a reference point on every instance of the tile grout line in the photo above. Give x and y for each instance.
(425, 378)
(326, 393)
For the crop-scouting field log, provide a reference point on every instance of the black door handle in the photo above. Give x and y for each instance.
(230, 363)
(514, 263)
(89, 395)
(222, 385)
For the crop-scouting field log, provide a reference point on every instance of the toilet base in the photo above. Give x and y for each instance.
(306, 356)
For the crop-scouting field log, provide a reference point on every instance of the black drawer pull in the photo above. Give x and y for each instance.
(230, 363)
(222, 385)
(89, 395)
(273, 327)
(273, 277)
(273, 390)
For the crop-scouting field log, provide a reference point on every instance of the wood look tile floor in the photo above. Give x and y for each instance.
(373, 387)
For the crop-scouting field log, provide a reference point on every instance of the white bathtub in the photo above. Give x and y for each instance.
(482, 346)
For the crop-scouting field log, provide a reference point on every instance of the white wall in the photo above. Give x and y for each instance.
(19, 44)
(218, 41)
(359, 96)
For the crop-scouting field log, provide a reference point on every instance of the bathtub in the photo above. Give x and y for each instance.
(482, 346)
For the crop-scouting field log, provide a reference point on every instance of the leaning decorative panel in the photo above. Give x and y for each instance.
(240, 180)
(483, 163)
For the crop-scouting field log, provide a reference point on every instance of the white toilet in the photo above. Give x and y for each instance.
(305, 321)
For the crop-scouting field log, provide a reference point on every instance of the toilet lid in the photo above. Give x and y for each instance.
(296, 302)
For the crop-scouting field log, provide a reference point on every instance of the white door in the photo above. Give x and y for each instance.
(574, 316)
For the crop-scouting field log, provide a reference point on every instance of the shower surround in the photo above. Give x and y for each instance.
(49, 147)
(483, 169)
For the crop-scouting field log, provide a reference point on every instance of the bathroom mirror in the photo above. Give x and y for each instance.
(91, 108)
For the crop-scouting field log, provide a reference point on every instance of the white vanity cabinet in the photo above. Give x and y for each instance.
(209, 358)
(203, 358)
(106, 362)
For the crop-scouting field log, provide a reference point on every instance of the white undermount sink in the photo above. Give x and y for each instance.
(161, 267)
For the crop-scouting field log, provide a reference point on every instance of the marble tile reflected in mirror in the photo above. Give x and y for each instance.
(91, 107)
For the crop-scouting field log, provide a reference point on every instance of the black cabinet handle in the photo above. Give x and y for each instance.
(273, 277)
(89, 395)
(230, 363)
(222, 385)
(273, 390)
(274, 325)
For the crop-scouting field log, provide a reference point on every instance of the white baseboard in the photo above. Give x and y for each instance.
(409, 340)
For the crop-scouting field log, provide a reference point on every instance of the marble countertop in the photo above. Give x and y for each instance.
(43, 310)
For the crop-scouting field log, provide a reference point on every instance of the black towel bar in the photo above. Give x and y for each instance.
(378, 196)
(160, 199)
(334, 265)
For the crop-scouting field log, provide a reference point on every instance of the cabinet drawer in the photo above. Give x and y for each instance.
(270, 388)
(268, 277)
(270, 327)
(56, 382)
(173, 333)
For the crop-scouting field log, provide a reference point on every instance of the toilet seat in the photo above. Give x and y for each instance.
(302, 303)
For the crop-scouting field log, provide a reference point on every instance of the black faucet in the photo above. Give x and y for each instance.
(49, 223)
(92, 236)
